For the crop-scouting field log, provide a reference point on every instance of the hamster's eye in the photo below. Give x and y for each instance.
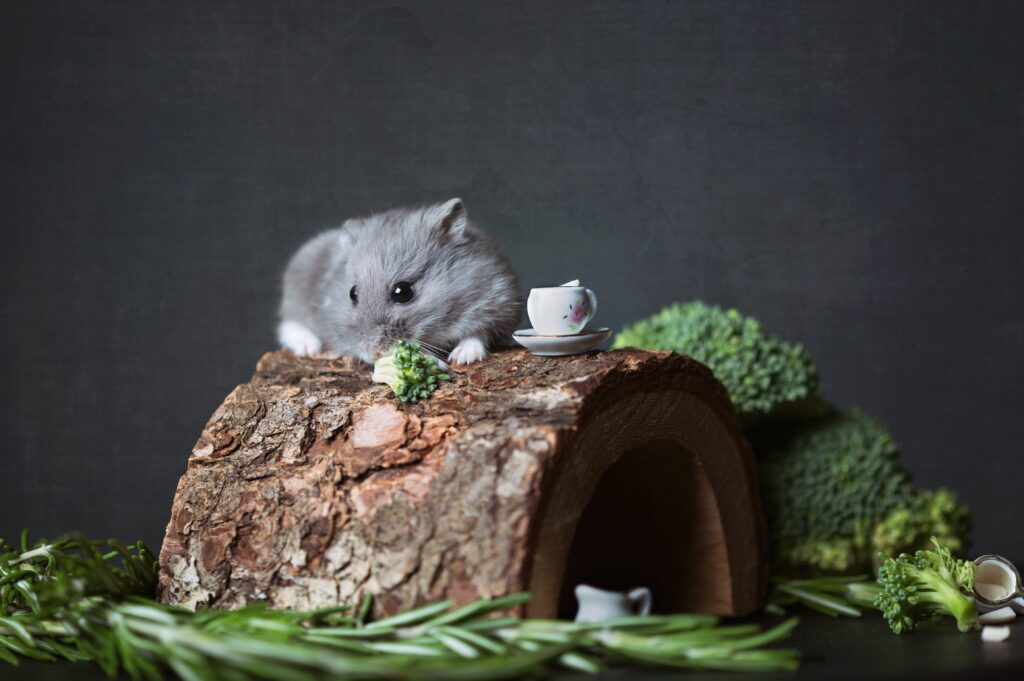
(354, 296)
(402, 292)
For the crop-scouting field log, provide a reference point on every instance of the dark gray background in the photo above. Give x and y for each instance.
(850, 173)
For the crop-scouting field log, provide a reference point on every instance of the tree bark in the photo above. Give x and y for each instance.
(310, 486)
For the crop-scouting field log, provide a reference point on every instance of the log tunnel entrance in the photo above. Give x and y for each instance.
(653, 490)
(652, 521)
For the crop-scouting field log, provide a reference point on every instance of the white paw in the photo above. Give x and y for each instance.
(468, 350)
(298, 338)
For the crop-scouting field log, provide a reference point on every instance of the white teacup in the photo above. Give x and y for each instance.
(598, 605)
(561, 310)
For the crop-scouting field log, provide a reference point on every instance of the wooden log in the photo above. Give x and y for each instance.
(310, 485)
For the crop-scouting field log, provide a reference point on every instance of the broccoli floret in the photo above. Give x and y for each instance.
(931, 513)
(412, 375)
(826, 483)
(760, 371)
(924, 585)
(835, 495)
(838, 555)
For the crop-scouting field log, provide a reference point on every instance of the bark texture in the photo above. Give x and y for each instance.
(310, 485)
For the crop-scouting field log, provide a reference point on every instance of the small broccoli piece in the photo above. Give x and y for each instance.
(826, 484)
(927, 584)
(412, 375)
(760, 371)
(931, 513)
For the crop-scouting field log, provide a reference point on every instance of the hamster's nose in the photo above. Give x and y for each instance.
(380, 345)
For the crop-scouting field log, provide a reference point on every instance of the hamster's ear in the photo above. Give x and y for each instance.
(345, 237)
(448, 219)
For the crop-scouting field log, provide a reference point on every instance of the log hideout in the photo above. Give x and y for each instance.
(310, 486)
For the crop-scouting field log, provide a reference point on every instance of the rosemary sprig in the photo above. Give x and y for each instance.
(86, 600)
(833, 596)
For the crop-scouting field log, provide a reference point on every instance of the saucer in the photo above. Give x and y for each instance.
(556, 346)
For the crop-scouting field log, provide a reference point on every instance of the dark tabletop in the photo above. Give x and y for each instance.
(833, 648)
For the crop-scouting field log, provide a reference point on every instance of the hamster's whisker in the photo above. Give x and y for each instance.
(436, 350)
(422, 343)
(432, 349)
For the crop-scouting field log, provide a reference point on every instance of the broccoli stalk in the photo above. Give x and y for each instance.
(924, 585)
(411, 374)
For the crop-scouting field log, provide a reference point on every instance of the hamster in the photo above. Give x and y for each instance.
(424, 274)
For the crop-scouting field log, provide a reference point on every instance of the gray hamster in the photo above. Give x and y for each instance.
(424, 274)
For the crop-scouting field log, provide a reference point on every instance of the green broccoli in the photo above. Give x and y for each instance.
(835, 494)
(834, 491)
(825, 484)
(838, 555)
(926, 584)
(412, 375)
(931, 513)
(760, 371)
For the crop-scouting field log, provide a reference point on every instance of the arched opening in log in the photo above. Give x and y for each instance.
(652, 521)
(654, 489)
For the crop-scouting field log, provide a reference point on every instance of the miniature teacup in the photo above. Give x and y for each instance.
(598, 605)
(997, 584)
(561, 310)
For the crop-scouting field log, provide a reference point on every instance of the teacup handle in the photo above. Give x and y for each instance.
(529, 307)
(640, 598)
(593, 304)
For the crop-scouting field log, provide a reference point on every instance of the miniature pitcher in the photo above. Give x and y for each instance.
(598, 605)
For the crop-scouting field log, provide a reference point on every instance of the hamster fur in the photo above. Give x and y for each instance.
(425, 274)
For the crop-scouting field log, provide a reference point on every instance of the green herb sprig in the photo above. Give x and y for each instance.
(86, 600)
(833, 596)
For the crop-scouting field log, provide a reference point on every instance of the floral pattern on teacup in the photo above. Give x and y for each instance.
(577, 312)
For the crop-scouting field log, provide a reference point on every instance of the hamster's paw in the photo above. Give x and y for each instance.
(298, 338)
(468, 350)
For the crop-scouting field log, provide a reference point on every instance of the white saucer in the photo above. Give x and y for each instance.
(556, 346)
